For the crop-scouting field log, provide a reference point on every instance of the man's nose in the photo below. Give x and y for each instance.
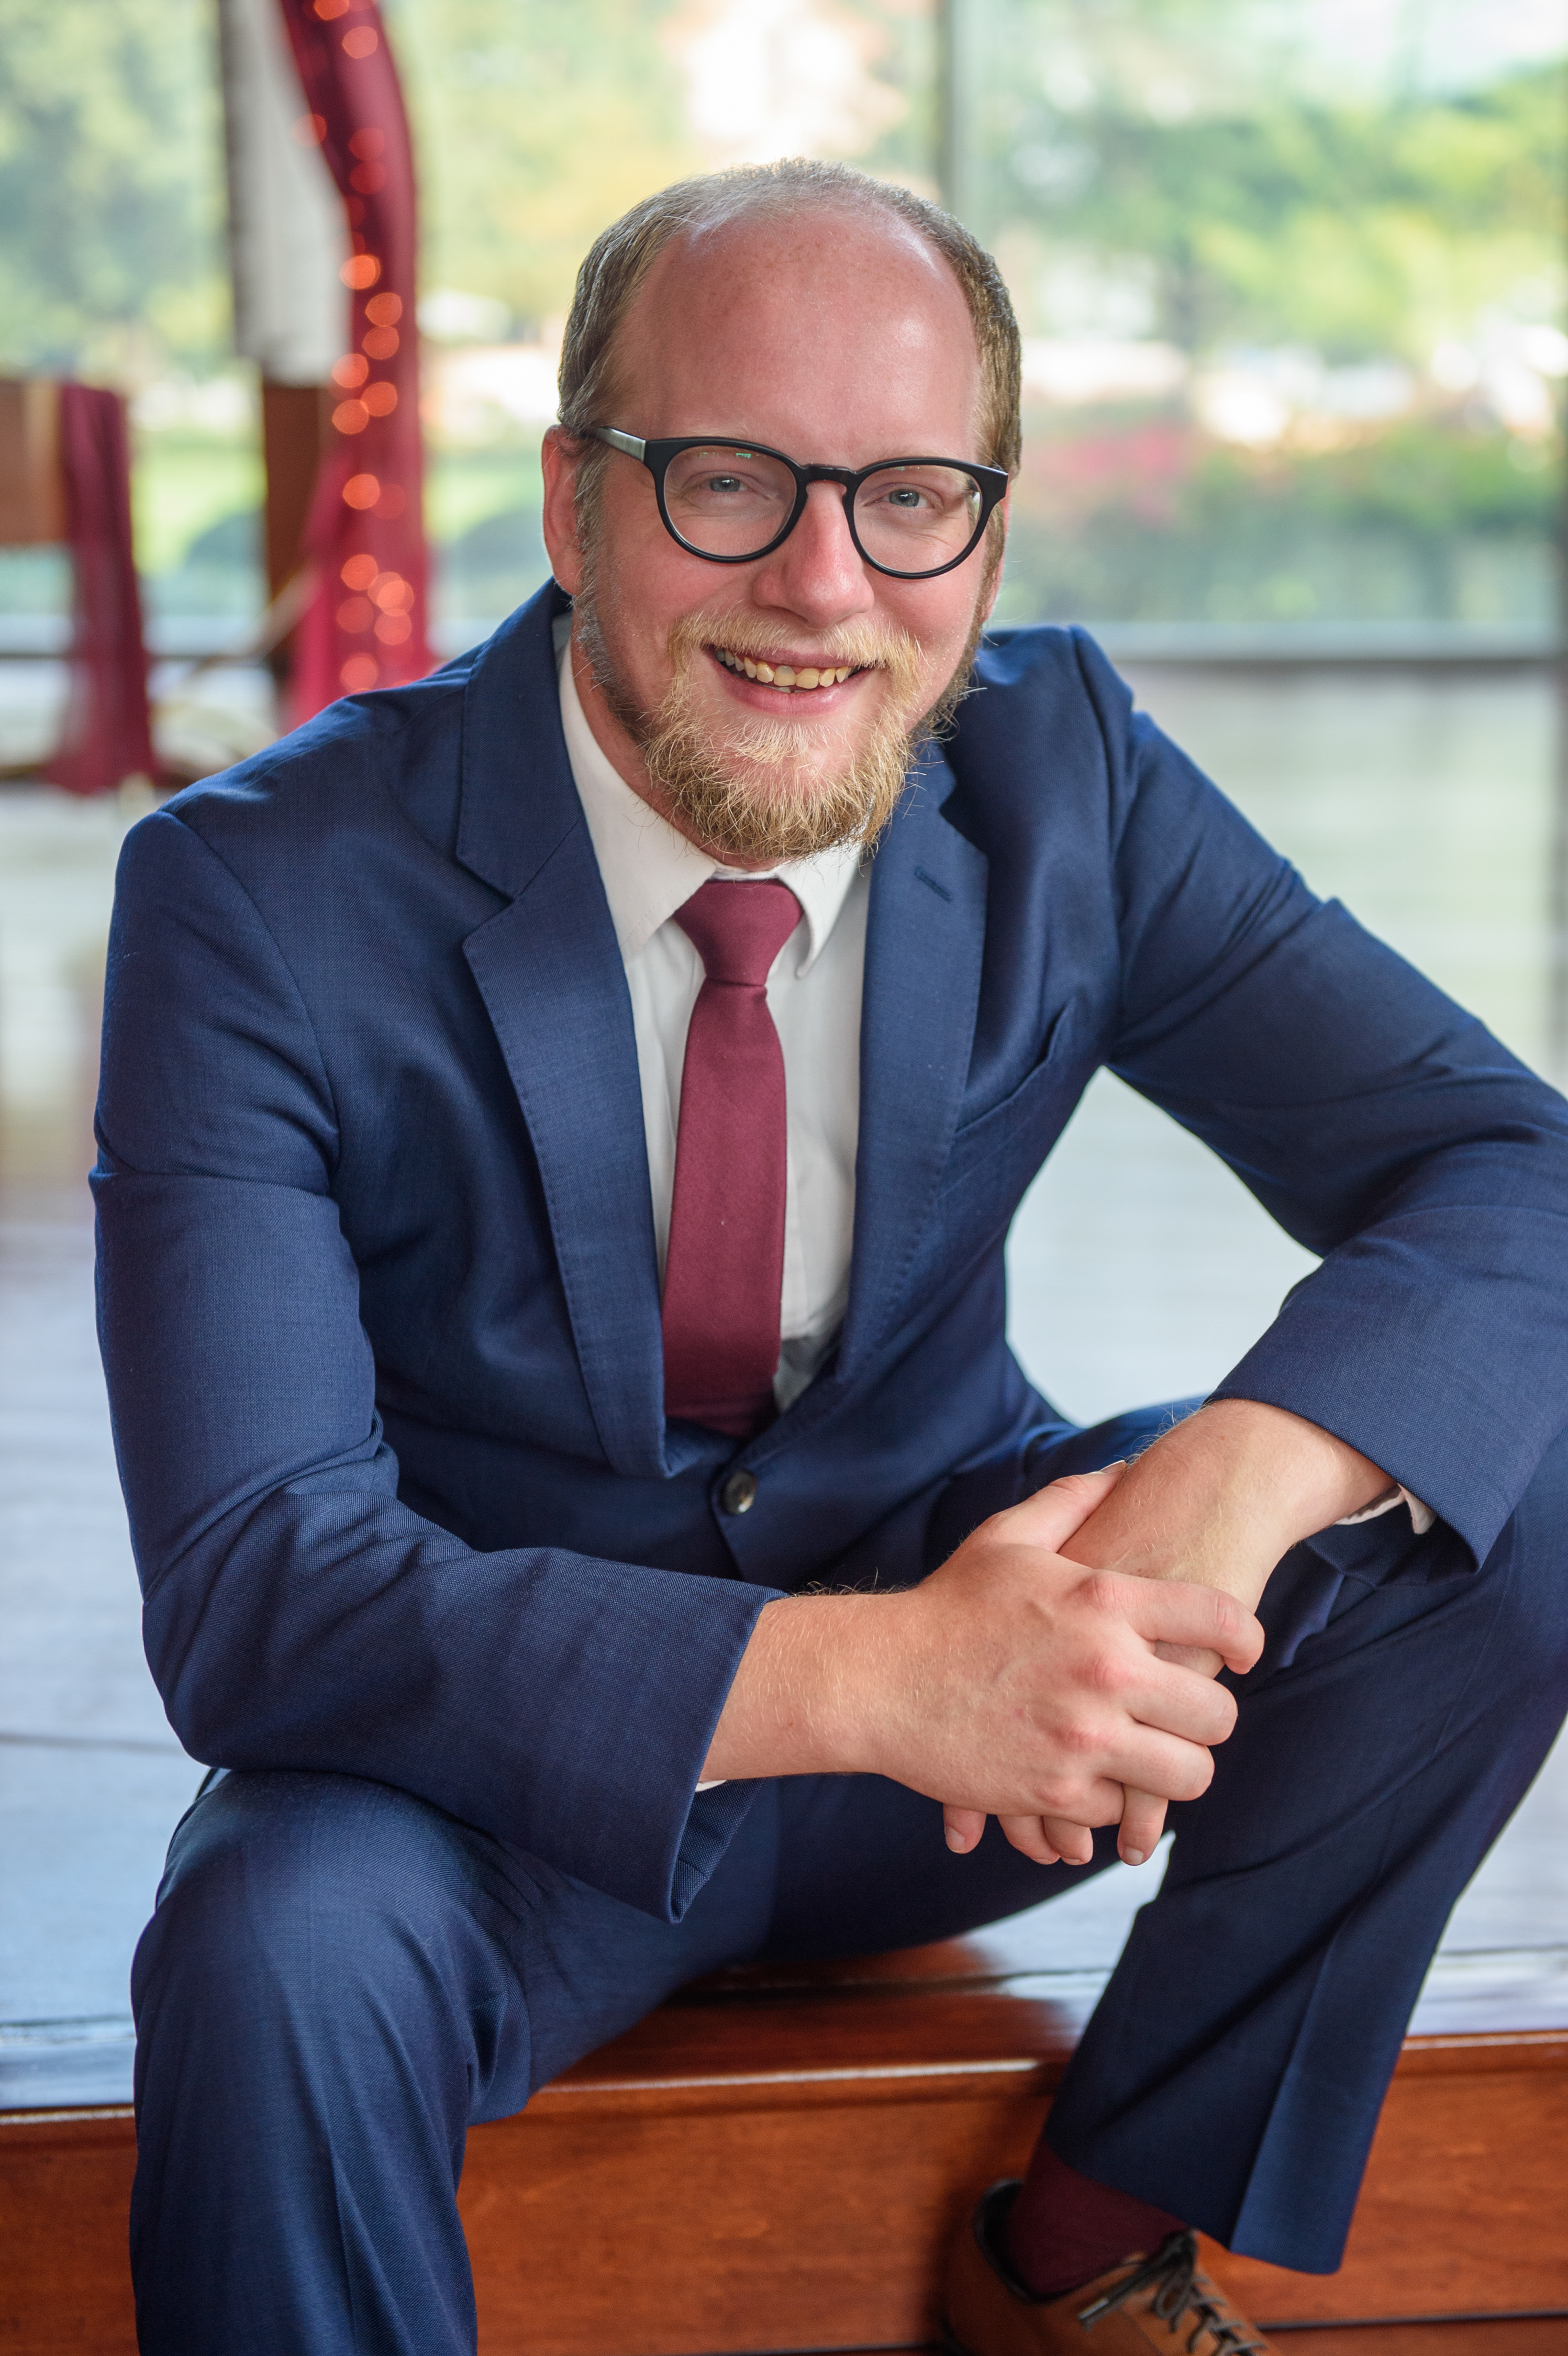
(819, 572)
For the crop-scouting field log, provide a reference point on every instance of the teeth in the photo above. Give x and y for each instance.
(807, 677)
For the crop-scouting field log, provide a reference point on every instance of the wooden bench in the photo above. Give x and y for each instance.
(774, 2161)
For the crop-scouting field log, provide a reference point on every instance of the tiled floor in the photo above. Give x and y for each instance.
(1141, 1269)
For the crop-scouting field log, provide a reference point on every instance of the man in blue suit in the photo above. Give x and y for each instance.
(553, 1194)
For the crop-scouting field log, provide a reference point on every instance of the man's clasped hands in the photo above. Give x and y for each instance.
(1058, 1671)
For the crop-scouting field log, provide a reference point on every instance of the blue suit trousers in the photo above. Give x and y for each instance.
(339, 1979)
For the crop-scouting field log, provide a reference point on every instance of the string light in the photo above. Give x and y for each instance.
(362, 491)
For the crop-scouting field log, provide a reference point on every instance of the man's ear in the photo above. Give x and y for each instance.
(558, 457)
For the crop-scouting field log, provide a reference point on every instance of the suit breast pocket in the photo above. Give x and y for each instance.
(996, 1156)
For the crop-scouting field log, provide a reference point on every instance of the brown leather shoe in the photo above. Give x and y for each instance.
(1162, 2302)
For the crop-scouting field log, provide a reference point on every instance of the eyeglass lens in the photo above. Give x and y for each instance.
(736, 502)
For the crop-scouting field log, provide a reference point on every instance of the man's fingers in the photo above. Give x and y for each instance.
(1162, 1766)
(962, 1828)
(1181, 1702)
(1143, 1822)
(1074, 1844)
(1031, 1834)
(1050, 1516)
(1172, 1612)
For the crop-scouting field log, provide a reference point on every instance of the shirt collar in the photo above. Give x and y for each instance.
(648, 870)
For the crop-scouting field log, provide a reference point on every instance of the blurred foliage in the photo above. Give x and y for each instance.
(111, 258)
(1146, 518)
(536, 126)
(1177, 154)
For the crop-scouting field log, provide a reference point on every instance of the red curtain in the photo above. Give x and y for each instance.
(365, 626)
(107, 734)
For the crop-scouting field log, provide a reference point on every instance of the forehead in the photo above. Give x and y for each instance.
(839, 337)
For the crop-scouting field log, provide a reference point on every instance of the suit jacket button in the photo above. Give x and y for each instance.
(739, 1492)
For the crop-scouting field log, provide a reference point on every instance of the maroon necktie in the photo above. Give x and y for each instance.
(724, 1270)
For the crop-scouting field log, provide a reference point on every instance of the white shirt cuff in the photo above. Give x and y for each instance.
(1421, 1516)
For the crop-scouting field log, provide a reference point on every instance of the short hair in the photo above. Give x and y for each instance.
(622, 255)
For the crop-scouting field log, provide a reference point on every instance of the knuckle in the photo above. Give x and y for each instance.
(1102, 1590)
(1102, 1671)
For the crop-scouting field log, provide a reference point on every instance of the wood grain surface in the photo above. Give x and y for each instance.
(769, 2166)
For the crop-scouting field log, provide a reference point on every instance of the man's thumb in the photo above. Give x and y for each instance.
(1050, 1516)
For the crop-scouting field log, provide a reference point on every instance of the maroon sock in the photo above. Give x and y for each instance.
(1064, 2229)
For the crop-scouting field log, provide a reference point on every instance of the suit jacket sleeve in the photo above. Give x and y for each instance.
(297, 1613)
(1382, 1127)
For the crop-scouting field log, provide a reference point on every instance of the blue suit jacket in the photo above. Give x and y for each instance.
(378, 1290)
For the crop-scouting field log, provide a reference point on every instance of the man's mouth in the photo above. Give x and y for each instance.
(783, 674)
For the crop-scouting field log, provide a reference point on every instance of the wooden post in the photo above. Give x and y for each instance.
(32, 488)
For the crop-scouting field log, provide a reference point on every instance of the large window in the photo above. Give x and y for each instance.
(1290, 275)
(1291, 281)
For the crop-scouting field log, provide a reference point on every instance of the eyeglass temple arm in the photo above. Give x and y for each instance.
(616, 440)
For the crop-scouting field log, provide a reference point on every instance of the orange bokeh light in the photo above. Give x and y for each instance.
(351, 417)
(359, 674)
(356, 613)
(381, 399)
(392, 628)
(384, 310)
(366, 144)
(392, 594)
(362, 42)
(369, 179)
(350, 371)
(328, 9)
(358, 573)
(362, 491)
(381, 343)
(360, 270)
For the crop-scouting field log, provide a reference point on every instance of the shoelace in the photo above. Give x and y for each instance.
(1174, 2267)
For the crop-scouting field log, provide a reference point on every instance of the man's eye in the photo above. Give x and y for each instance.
(905, 498)
(723, 483)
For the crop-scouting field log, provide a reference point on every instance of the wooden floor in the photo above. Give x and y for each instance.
(777, 2160)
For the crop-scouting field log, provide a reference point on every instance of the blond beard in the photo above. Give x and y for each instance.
(768, 794)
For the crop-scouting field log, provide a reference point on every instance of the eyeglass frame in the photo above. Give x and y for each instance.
(990, 481)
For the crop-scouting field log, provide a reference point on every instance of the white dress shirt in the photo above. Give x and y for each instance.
(813, 995)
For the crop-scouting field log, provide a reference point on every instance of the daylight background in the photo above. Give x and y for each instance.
(1290, 275)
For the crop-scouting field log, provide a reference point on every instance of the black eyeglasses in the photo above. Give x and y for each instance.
(733, 501)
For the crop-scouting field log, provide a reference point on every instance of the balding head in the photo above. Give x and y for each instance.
(795, 205)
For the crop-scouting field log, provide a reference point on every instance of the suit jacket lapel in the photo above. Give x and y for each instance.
(925, 941)
(549, 970)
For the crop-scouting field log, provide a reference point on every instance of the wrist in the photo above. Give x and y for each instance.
(1220, 1498)
(801, 1701)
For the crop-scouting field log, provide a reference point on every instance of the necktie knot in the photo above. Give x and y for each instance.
(737, 929)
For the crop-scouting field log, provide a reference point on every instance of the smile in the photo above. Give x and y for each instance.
(784, 674)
